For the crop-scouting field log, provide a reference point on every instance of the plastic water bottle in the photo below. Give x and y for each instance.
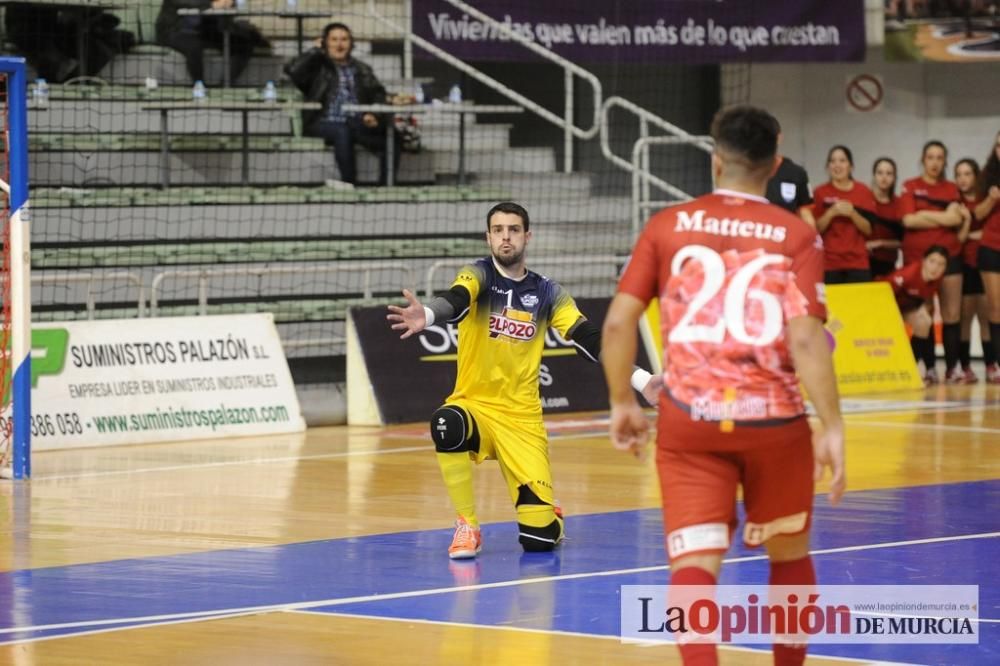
(198, 92)
(40, 93)
(455, 94)
(270, 92)
(418, 94)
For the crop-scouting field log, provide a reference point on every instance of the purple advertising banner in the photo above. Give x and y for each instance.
(650, 31)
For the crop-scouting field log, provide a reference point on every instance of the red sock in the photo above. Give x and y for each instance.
(695, 654)
(795, 572)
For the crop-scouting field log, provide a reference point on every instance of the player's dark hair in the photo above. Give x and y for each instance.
(847, 153)
(748, 134)
(337, 25)
(937, 249)
(974, 165)
(508, 207)
(990, 175)
(931, 144)
(895, 172)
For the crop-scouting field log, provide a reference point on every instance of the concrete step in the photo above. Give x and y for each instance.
(76, 169)
(314, 338)
(50, 198)
(552, 219)
(118, 116)
(355, 13)
(556, 184)
(372, 279)
(118, 108)
(168, 68)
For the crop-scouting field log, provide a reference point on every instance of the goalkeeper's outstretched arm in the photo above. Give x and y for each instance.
(415, 316)
(586, 337)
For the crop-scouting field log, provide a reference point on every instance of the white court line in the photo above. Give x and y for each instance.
(601, 421)
(306, 605)
(185, 620)
(230, 463)
(577, 634)
(926, 426)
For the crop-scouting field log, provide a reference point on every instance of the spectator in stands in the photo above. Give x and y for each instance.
(932, 214)
(191, 34)
(841, 209)
(330, 75)
(789, 188)
(914, 286)
(47, 37)
(887, 229)
(36, 33)
(988, 257)
(973, 299)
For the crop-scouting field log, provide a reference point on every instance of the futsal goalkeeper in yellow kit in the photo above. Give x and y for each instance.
(503, 310)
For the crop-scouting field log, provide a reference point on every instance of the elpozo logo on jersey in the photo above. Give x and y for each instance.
(514, 324)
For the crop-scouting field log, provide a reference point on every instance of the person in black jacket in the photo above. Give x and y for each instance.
(329, 75)
(47, 37)
(191, 34)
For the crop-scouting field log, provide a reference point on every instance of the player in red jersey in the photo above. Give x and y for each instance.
(887, 229)
(740, 288)
(842, 208)
(914, 286)
(932, 214)
(973, 293)
(988, 257)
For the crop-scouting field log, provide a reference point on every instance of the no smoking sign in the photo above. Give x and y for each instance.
(864, 93)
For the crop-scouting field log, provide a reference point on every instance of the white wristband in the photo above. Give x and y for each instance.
(429, 316)
(640, 378)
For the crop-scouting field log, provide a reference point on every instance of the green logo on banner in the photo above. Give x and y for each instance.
(48, 352)
(48, 355)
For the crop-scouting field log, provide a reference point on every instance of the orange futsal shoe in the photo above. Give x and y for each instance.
(559, 514)
(467, 542)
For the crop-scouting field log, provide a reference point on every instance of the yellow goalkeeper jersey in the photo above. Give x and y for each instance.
(502, 335)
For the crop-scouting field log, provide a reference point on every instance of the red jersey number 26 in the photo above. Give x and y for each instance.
(734, 300)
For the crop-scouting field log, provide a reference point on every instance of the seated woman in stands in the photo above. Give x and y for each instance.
(330, 75)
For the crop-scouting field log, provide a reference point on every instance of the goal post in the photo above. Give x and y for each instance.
(15, 279)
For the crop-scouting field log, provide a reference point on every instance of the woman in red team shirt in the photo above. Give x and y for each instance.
(841, 208)
(988, 258)
(933, 215)
(887, 230)
(973, 300)
(914, 286)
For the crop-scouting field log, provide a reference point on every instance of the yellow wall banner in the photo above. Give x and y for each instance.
(872, 351)
(871, 348)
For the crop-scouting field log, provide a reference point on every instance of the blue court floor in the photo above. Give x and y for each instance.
(941, 534)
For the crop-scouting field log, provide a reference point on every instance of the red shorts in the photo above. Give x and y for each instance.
(699, 494)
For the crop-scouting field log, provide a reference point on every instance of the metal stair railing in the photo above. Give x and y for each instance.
(570, 69)
(642, 177)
